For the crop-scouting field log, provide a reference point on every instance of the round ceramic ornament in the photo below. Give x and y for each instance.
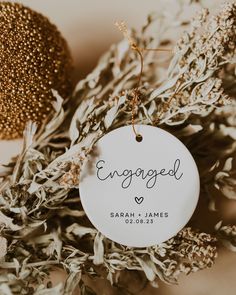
(139, 193)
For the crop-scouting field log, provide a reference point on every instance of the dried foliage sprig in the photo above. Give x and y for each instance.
(42, 221)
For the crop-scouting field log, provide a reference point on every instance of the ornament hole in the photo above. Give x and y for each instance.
(139, 138)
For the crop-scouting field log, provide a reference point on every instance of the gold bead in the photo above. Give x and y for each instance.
(34, 58)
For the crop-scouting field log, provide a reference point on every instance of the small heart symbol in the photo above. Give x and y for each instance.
(139, 200)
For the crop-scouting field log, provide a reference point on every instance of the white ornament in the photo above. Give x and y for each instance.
(139, 193)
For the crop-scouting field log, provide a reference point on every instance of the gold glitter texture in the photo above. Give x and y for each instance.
(34, 58)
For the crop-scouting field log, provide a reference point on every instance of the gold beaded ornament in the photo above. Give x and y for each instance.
(34, 59)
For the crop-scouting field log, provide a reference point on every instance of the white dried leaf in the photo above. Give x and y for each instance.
(98, 249)
(80, 230)
(8, 222)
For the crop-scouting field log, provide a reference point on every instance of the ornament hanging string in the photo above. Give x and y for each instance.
(123, 28)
